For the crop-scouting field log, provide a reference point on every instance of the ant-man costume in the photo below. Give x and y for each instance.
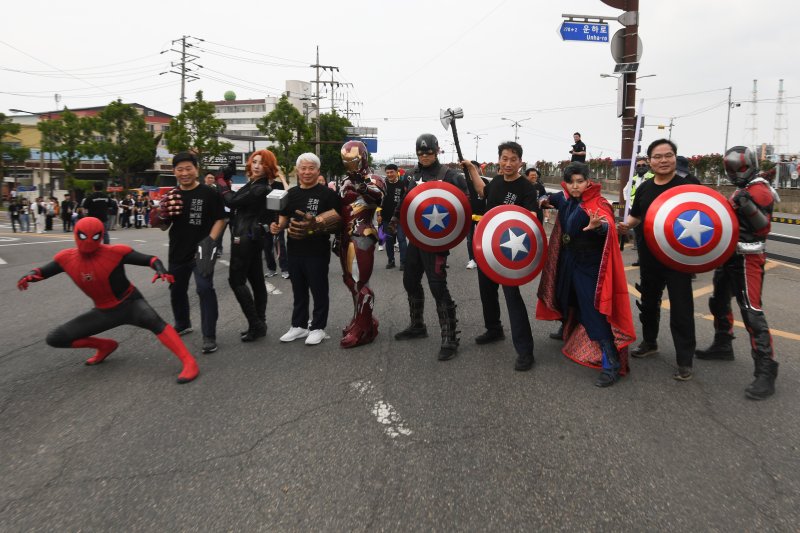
(99, 271)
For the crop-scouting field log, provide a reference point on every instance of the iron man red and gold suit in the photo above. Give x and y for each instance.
(99, 271)
(362, 193)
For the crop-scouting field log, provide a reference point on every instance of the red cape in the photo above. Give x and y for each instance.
(611, 297)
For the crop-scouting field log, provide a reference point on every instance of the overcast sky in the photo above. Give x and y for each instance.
(407, 59)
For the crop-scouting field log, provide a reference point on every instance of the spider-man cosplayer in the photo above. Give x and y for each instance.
(742, 276)
(99, 271)
(362, 193)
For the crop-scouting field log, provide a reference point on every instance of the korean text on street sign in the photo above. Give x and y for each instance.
(584, 31)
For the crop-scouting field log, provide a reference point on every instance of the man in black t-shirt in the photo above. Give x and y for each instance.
(509, 188)
(655, 276)
(96, 205)
(312, 212)
(578, 149)
(198, 217)
(394, 191)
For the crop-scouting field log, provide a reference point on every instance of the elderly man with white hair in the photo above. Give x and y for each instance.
(312, 212)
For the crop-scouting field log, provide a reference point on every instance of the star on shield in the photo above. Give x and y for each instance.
(515, 244)
(694, 228)
(435, 217)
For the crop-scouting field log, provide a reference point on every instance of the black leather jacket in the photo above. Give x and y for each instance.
(248, 209)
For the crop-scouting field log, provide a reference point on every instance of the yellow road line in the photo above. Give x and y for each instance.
(774, 332)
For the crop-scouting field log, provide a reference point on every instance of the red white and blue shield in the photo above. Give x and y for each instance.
(691, 228)
(510, 245)
(436, 216)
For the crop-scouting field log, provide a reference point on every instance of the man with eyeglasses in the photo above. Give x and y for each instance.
(655, 276)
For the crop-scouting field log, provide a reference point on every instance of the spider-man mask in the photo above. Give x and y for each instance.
(88, 234)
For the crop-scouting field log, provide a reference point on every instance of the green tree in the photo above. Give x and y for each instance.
(126, 144)
(288, 129)
(332, 135)
(10, 152)
(196, 130)
(70, 138)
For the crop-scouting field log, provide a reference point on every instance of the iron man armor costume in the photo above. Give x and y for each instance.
(98, 270)
(362, 193)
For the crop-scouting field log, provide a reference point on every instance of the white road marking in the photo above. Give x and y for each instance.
(224, 262)
(38, 242)
(272, 289)
(2, 262)
(138, 240)
(384, 413)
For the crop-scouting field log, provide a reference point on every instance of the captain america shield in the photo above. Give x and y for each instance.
(691, 228)
(435, 216)
(510, 245)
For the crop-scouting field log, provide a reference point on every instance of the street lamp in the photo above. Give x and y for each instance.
(516, 125)
(477, 139)
(41, 151)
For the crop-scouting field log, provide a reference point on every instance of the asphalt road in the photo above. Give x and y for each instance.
(285, 437)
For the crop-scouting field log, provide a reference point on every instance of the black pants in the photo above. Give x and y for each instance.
(14, 222)
(134, 311)
(246, 266)
(521, 333)
(179, 298)
(433, 265)
(655, 277)
(742, 276)
(309, 274)
(66, 222)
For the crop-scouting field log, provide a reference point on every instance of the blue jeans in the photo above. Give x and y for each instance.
(179, 298)
(400, 238)
(24, 222)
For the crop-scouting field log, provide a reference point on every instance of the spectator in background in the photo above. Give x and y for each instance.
(14, 210)
(97, 204)
(682, 170)
(394, 189)
(533, 176)
(578, 149)
(25, 216)
(39, 211)
(275, 245)
(67, 208)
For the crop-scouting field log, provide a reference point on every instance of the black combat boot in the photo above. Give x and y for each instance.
(448, 322)
(558, 335)
(764, 385)
(610, 374)
(721, 349)
(256, 328)
(416, 329)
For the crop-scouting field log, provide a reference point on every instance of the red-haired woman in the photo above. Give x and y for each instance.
(248, 208)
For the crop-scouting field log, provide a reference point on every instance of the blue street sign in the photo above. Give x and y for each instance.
(584, 31)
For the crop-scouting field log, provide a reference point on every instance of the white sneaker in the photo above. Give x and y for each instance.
(270, 273)
(285, 275)
(294, 334)
(471, 264)
(380, 247)
(315, 336)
